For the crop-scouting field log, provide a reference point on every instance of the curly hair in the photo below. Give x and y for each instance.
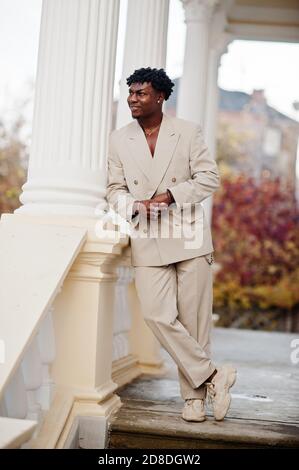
(158, 78)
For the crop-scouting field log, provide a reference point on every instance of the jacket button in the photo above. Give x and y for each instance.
(173, 179)
(135, 182)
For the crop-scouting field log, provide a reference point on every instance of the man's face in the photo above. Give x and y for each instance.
(143, 99)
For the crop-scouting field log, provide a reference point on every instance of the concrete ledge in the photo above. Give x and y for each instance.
(264, 412)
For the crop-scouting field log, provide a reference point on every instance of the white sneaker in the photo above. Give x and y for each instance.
(218, 390)
(194, 410)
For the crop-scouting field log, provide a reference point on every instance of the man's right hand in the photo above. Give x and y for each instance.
(148, 208)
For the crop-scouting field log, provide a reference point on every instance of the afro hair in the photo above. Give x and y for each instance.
(158, 78)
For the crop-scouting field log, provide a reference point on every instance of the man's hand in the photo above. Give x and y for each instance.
(163, 198)
(150, 208)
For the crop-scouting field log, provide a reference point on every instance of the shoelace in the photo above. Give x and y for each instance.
(211, 391)
(190, 400)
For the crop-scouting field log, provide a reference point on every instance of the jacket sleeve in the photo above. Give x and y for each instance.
(117, 192)
(205, 177)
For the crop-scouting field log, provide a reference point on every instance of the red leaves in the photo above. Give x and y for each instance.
(255, 231)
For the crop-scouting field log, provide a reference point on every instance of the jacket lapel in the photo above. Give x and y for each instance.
(166, 143)
(154, 168)
(138, 148)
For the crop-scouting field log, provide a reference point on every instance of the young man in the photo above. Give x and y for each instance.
(159, 170)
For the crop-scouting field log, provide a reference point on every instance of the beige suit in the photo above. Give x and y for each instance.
(182, 164)
(171, 255)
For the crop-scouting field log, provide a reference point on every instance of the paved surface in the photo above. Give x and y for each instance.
(265, 398)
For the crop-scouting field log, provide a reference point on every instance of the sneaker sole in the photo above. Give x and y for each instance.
(231, 381)
(195, 420)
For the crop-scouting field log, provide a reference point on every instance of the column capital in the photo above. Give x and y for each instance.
(221, 42)
(220, 46)
(199, 11)
(219, 37)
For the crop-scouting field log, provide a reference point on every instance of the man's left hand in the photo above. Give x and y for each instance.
(163, 198)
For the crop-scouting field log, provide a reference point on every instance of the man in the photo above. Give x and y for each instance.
(159, 170)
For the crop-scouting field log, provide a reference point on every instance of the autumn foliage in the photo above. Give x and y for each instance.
(13, 162)
(256, 241)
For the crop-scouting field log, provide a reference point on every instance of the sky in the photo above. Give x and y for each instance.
(247, 65)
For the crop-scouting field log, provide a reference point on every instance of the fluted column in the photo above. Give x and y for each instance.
(145, 45)
(193, 83)
(73, 107)
(219, 41)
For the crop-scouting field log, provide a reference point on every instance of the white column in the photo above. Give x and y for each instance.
(193, 83)
(73, 104)
(219, 41)
(145, 45)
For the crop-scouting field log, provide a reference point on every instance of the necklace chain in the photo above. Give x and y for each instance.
(148, 133)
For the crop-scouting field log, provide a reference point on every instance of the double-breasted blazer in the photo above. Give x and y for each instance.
(182, 164)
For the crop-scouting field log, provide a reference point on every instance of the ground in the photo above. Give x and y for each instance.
(264, 410)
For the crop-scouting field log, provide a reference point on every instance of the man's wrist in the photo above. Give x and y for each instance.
(170, 197)
(135, 208)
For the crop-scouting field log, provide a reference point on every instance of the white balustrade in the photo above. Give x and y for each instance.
(31, 368)
(15, 399)
(122, 316)
(30, 391)
(46, 342)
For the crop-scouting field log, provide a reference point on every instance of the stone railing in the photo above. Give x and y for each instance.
(30, 391)
(74, 348)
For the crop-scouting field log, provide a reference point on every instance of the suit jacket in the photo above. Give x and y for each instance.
(182, 164)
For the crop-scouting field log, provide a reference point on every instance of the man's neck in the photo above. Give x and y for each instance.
(150, 122)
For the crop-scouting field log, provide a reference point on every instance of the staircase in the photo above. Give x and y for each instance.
(264, 411)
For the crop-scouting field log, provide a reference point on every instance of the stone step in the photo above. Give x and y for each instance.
(144, 424)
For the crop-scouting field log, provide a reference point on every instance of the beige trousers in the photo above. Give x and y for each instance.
(176, 302)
